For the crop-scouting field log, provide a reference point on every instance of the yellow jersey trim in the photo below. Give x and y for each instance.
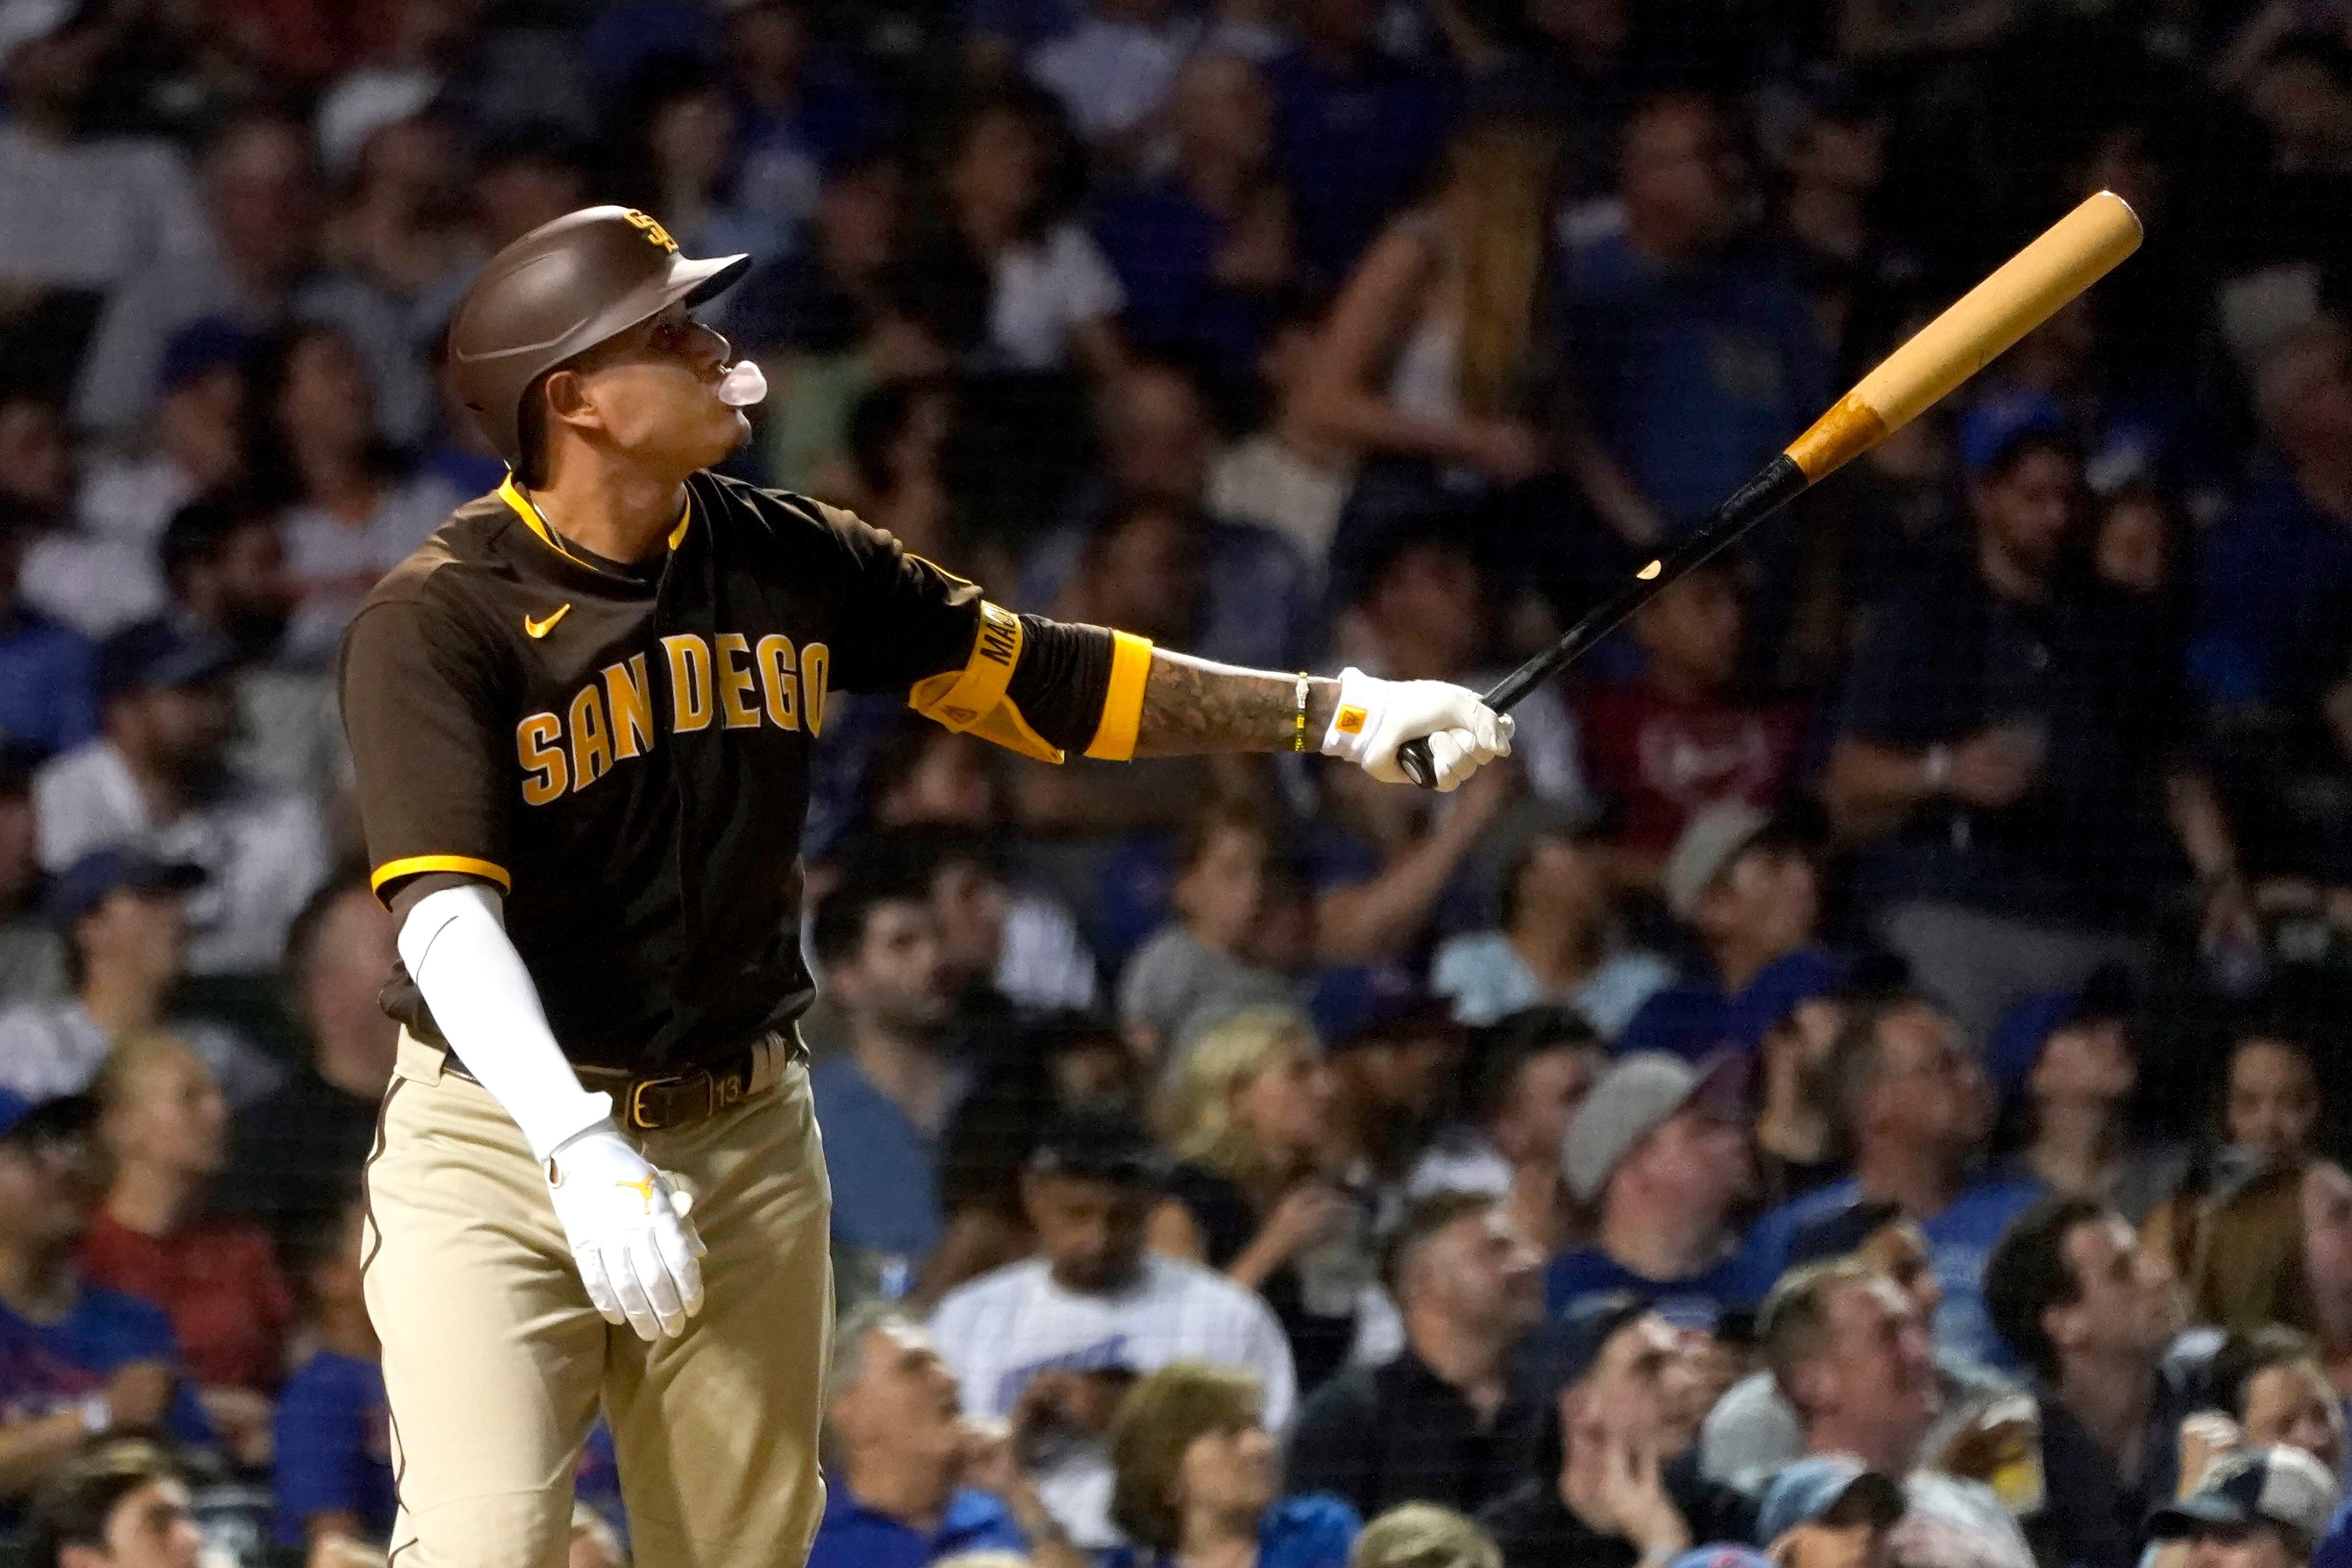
(523, 507)
(1122, 713)
(961, 699)
(417, 865)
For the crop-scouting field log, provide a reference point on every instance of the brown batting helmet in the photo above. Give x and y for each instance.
(566, 286)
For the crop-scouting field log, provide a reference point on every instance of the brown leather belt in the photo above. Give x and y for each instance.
(652, 1103)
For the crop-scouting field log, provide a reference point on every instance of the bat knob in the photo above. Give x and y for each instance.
(1418, 766)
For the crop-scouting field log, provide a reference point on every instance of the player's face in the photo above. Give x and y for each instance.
(1090, 1230)
(651, 395)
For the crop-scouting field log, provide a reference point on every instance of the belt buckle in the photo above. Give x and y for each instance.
(638, 1118)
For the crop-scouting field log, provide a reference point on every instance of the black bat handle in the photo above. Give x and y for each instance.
(1774, 486)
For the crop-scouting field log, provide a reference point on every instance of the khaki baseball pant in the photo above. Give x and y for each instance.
(494, 1362)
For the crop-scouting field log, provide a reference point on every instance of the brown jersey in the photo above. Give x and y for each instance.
(625, 751)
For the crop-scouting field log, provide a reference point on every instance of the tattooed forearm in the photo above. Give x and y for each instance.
(1191, 705)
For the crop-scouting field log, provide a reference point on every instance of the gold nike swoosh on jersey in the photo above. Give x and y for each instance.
(539, 628)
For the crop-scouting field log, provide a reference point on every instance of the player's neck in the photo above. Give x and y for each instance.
(621, 513)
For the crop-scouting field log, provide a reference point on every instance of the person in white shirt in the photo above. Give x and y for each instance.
(1112, 72)
(1092, 1309)
(156, 780)
(1053, 300)
(123, 918)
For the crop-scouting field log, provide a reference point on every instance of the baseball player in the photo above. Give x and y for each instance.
(580, 716)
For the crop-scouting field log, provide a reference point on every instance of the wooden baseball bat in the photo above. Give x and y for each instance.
(2028, 290)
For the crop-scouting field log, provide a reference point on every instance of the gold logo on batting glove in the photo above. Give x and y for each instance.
(1350, 721)
(643, 1187)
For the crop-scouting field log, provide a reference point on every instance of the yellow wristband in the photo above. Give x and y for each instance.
(1298, 728)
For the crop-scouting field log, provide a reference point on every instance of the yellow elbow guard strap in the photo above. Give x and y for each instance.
(975, 701)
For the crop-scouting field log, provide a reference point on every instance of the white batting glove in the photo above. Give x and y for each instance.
(637, 1250)
(1375, 717)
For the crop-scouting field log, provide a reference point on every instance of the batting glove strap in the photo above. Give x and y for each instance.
(1373, 718)
(637, 1251)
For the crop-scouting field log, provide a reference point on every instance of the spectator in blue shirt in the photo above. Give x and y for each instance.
(48, 692)
(74, 1360)
(1914, 1111)
(1663, 1148)
(2274, 574)
(1700, 356)
(884, 1102)
(1746, 888)
(333, 1430)
(901, 1461)
(1202, 249)
(1355, 130)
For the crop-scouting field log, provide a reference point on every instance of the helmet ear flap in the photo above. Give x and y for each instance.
(530, 433)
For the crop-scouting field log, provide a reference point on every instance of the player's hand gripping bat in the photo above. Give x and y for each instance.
(2029, 289)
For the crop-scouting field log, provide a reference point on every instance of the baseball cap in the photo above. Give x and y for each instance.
(86, 883)
(2016, 1042)
(204, 345)
(1812, 1488)
(1386, 1003)
(25, 1120)
(1559, 1354)
(2276, 1485)
(1994, 426)
(1099, 1146)
(1710, 843)
(156, 654)
(1631, 1099)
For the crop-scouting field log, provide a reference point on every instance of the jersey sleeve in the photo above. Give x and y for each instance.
(1039, 686)
(428, 746)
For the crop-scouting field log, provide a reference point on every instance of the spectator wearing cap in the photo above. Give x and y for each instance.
(1254, 1193)
(885, 1102)
(1799, 1012)
(1394, 1047)
(1613, 1484)
(1746, 887)
(75, 1359)
(2092, 1313)
(1446, 1421)
(2013, 805)
(2063, 1062)
(194, 446)
(157, 782)
(1849, 1352)
(293, 1153)
(124, 920)
(224, 560)
(911, 1482)
(1095, 1307)
(1829, 1513)
(1535, 1068)
(1682, 738)
(1912, 1112)
(1557, 945)
(1662, 1148)
(32, 950)
(2256, 1508)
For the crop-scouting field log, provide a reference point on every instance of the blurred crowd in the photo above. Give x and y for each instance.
(1863, 1085)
